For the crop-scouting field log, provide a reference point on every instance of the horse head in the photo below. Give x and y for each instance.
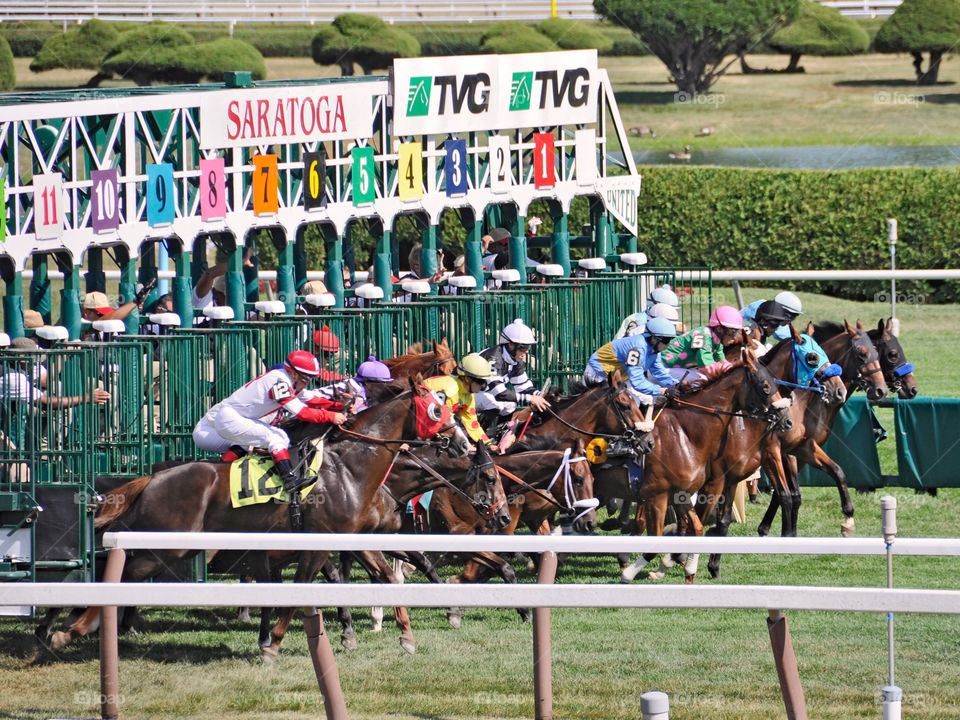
(583, 503)
(486, 491)
(897, 372)
(861, 363)
(760, 394)
(627, 414)
(444, 363)
(812, 366)
(432, 419)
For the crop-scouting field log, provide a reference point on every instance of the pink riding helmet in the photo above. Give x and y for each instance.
(726, 316)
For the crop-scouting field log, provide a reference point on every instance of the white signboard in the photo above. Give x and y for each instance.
(303, 113)
(494, 92)
(585, 145)
(619, 195)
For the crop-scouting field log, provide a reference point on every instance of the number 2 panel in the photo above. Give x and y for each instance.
(501, 175)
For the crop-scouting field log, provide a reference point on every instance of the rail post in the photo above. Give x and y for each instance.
(892, 695)
(655, 705)
(542, 648)
(786, 661)
(109, 651)
(324, 665)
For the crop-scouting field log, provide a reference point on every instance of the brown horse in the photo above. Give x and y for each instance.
(196, 496)
(438, 361)
(689, 434)
(897, 370)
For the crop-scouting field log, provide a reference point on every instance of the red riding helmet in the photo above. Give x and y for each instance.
(325, 340)
(304, 363)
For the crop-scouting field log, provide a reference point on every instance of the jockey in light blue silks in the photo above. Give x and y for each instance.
(639, 357)
(634, 323)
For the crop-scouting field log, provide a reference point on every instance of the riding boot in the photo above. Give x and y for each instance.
(234, 452)
(291, 484)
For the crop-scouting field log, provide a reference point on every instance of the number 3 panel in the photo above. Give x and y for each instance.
(455, 167)
(161, 205)
(501, 176)
(213, 190)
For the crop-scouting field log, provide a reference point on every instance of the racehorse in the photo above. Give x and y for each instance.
(196, 496)
(897, 371)
(438, 361)
(688, 435)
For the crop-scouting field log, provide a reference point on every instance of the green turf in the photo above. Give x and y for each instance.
(717, 664)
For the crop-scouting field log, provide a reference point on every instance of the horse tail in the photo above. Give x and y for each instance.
(118, 501)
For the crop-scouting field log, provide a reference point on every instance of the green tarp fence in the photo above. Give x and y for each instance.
(853, 445)
(928, 442)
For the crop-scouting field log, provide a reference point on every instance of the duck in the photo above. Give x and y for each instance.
(642, 131)
(684, 154)
(706, 130)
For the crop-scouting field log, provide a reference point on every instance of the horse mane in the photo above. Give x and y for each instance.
(411, 353)
(715, 377)
(827, 329)
(780, 347)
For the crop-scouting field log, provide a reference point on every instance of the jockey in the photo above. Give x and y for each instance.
(634, 324)
(791, 304)
(326, 346)
(637, 355)
(512, 386)
(370, 371)
(237, 420)
(773, 320)
(472, 374)
(705, 347)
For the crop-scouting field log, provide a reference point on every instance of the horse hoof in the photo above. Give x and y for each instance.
(524, 615)
(655, 575)
(531, 566)
(59, 640)
(689, 579)
(763, 531)
(268, 655)
(348, 642)
(408, 646)
(714, 572)
(610, 524)
(244, 616)
(848, 528)
(455, 620)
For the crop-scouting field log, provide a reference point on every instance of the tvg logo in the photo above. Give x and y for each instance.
(521, 90)
(418, 97)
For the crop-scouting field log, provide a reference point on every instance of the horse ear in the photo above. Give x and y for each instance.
(810, 328)
(748, 359)
(794, 333)
(581, 446)
(416, 382)
(850, 331)
(883, 327)
(859, 325)
(444, 344)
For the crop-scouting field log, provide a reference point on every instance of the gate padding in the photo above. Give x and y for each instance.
(853, 445)
(927, 450)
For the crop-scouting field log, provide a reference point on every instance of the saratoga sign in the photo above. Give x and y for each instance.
(302, 113)
(486, 92)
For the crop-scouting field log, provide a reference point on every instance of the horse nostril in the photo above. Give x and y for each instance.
(913, 391)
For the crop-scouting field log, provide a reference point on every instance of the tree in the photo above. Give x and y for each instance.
(694, 37)
(8, 75)
(362, 39)
(920, 26)
(80, 48)
(165, 53)
(819, 30)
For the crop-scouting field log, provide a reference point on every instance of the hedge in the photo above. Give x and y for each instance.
(8, 75)
(515, 37)
(795, 219)
(574, 35)
(81, 47)
(27, 37)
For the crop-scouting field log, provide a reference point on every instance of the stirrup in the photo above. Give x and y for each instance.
(296, 514)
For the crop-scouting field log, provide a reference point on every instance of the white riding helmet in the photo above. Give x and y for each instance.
(665, 295)
(665, 311)
(517, 332)
(790, 302)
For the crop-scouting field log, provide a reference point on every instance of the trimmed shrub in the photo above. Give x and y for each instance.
(81, 47)
(820, 30)
(804, 219)
(920, 26)
(574, 35)
(212, 59)
(442, 40)
(625, 42)
(149, 53)
(362, 39)
(27, 37)
(513, 37)
(8, 75)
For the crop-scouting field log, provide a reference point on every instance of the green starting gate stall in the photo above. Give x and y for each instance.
(133, 173)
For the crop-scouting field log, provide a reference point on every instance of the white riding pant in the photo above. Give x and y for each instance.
(231, 428)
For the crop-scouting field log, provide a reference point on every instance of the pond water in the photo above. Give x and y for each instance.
(813, 157)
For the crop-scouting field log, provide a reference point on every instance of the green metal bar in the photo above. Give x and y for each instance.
(251, 282)
(560, 243)
(286, 287)
(182, 288)
(146, 272)
(128, 274)
(473, 248)
(334, 265)
(70, 300)
(40, 287)
(300, 258)
(96, 279)
(13, 306)
(235, 281)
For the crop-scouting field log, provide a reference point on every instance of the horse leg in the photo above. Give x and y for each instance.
(275, 575)
(386, 573)
(773, 465)
(724, 519)
(656, 511)
(793, 482)
(348, 638)
(816, 457)
(690, 565)
(308, 568)
(764, 528)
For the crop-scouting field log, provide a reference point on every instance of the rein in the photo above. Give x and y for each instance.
(717, 411)
(530, 488)
(628, 433)
(486, 514)
(442, 442)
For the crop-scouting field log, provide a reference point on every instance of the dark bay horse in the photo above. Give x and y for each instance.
(196, 496)
(689, 435)
(438, 361)
(897, 370)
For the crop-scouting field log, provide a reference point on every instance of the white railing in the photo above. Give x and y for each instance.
(304, 11)
(864, 8)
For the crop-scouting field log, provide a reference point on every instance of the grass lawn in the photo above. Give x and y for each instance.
(717, 664)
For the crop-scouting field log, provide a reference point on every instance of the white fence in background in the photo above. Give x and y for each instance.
(231, 12)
